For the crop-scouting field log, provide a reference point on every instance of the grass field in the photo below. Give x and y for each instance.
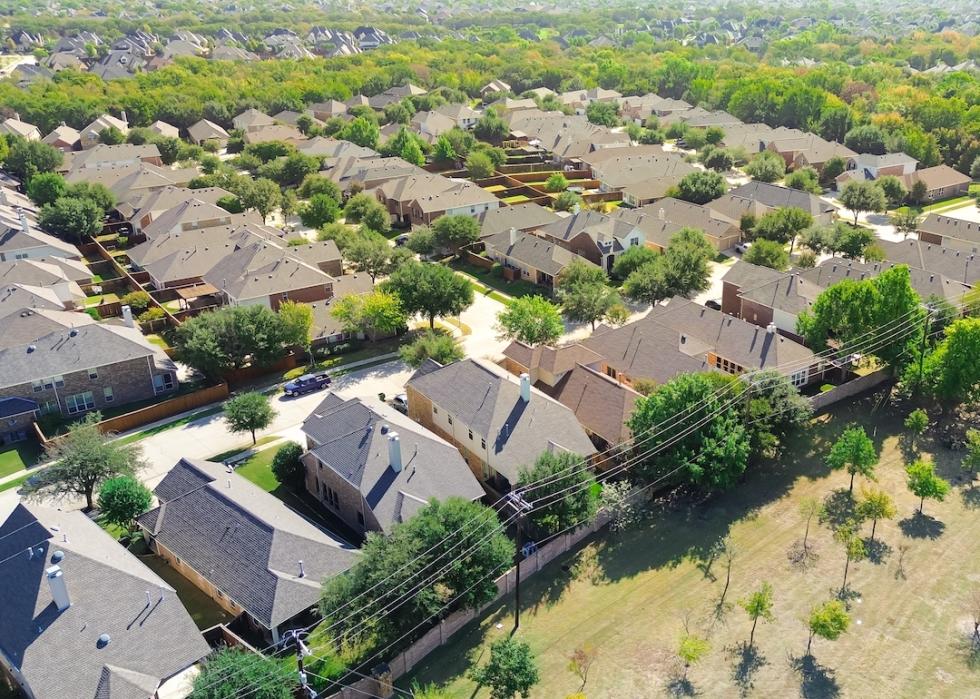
(17, 457)
(487, 278)
(633, 591)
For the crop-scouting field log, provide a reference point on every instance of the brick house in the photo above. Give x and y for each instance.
(941, 182)
(372, 467)
(529, 257)
(937, 229)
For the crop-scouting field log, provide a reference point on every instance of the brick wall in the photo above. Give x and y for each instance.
(350, 500)
(756, 313)
(319, 292)
(730, 301)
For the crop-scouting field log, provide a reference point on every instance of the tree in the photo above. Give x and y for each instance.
(854, 548)
(511, 669)
(916, 424)
(456, 231)
(691, 650)
(831, 169)
(46, 188)
(861, 197)
(72, 218)
(717, 159)
(681, 270)
(217, 341)
(440, 347)
(581, 661)
(249, 412)
(701, 187)
(296, 320)
(83, 459)
(479, 165)
(361, 131)
(363, 208)
(975, 168)
(567, 201)
(231, 204)
(895, 191)
(827, 621)
(694, 138)
(422, 240)
(413, 555)
(774, 411)
(923, 481)
(854, 451)
(767, 253)
(602, 113)
(951, 372)
(378, 314)
(556, 182)
(906, 222)
(566, 491)
(412, 153)
(490, 127)
(758, 605)
(122, 499)
(583, 293)
(866, 139)
(766, 167)
(231, 672)
(919, 192)
(443, 151)
(318, 184)
(263, 195)
(111, 136)
(875, 504)
(29, 158)
(320, 210)
(533, 320)
(805, 179)
(632, 259)
(851, 241)
(971, 461)
(287, 467)
(431, 290)
(370, 254)
(809, 507)
(138, 301)
(714, 455)
(782, 225)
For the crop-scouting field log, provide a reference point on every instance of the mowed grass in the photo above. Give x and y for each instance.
(18, 457)
(910, 619)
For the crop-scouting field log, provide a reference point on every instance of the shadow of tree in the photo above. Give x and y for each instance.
(846, 595)
(748, 661)
(802, 559)
(970, 650)
(878, 551)
(681, 687)
(971, 497)
(838, 509)
(816, 681)
(922, 526)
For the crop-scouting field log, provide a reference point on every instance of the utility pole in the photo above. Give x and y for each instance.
(521, 507)
(295, 637)
(922, 349)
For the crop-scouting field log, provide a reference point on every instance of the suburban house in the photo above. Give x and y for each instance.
(83, 617)
(662, 219)
(132, 179)
(498, 422)
(529, 257)
(493, 87)
(698, 117)
(13, 126)
(573, 375)
(431, 125)
(202, 131)
(43, 274)
(870, 167)
(596, 237)
(941, 182)
(370, 172)
(328, 330)
(463, 116)
(683, 336)
(939, 229)
(373, 467)
(638, 108)
(955, 260)
(251, 119)
(331, 150)
(642, 179)
(22, 239)
(273, 132)
(64, 138)
(328, 110)
(89, 136)
(142, 207)
(580, 99)
(70, 364)
(421, 199)
(809, 150)
(243, 547)
(102, 156)
(162, 128)
(522, 217)
(759, 198)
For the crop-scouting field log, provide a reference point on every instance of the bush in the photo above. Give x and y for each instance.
(287, 467)
(151, 314)
(138, 301)
(93, 313)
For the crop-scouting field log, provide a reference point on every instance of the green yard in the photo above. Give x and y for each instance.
(488, 279)
(17, 457)
(203, 610)
(628, 594)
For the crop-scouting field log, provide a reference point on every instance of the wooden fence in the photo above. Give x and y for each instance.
(239, 377)
(822, 401)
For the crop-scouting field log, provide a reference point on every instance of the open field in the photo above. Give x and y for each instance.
(630, 593)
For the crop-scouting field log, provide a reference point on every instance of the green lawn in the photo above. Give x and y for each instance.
(628, 594)
(203, 610)
(487, 278)
(246, 447)
(258, 469)
(98, 300)
(516, 199)
(947, 203)
(15, 483)
(17, 457)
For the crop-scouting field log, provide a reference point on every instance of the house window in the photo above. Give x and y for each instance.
(37, 386)
(727, 366)
(162, 382)
(333, 498)
(471, 434)
(799, 378)
(59, 381)
(483, 444)
(107, 394)
(93, 374)
(450, 418)
(49, 407)
(80, 402)
(435, 410)
(219, 593)
(21, 256)
(610, 371)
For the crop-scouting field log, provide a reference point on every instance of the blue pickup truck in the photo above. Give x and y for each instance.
(306, 383)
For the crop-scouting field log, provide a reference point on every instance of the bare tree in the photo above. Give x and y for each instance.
(581, 662)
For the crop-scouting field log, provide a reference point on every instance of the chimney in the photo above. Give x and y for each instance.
(526, 387)
(513, 235)
(123, 117)
(127, 314)
(24, 225)
(395, 452)
(59, 590)
(662, 214)
(771, 328)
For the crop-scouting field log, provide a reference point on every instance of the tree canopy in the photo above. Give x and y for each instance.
(533, 320)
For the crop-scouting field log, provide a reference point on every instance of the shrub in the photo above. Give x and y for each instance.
(138, 301)
(151, 314)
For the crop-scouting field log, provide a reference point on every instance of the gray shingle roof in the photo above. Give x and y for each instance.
(244, 540)
(523, 217)
(533, 251)
(57, 651)
(351, 437)
(959, 261)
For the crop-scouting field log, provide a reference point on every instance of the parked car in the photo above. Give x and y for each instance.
(401, 240)
(307, 383)
(742, 248)
(713, 304)
(400, 403)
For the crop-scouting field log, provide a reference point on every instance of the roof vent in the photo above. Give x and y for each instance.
(57, 556)
(771, 328)
(103, 641)
(384, 429)
(73, 332)
(31, 348)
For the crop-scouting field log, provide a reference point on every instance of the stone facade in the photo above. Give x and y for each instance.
(338, 495)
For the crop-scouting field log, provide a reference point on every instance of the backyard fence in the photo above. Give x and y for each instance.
(822, 401)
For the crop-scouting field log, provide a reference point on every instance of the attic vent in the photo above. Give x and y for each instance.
(31, 348)
(58, 556)
(103, 640)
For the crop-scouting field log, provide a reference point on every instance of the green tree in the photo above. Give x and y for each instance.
(827, 621)
(533, 320)
(231, 672)
(249, 412)
(701, 187)
(906, 222)
(782, 225)
(455, 231)
(805, 179)
(443, 151)
(29, 158)
(971, 461)
(602, 113)
(691, 649)
(511, 669)
(122, 499)
(916, 424)
(422, 240)
(263, 195)
(364, 208)
(582, 291)
(865, 139)
(875, 504)
(318, 184)
(490, 127)
(83, 459)
(855, 452)
(556, 182)
(370, 254)
(632, 259)
(854, 548)
(296, 320)
(46, 188)
(695, 139)
(951, 372)
(766, 167)
(111, 136)
(767, 253)
(567, 490)
(361, 131)
(228, 338)
(861, 197)
(850, 241)
(97, 193)
(287, 467)
(320, 210)
(479, 165)
(923, 482)
(681, 270)
(567, 201)
(72, 218)
(138, 301)
(231, 204)
(717, 159)
(809, 508)
(774, 412)
(758, 605)
(429, 289)
(438, 346)
(713, 456)
(831, 169)
(413, 554)
(895, 191)
(376, 315)
(412, 153)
